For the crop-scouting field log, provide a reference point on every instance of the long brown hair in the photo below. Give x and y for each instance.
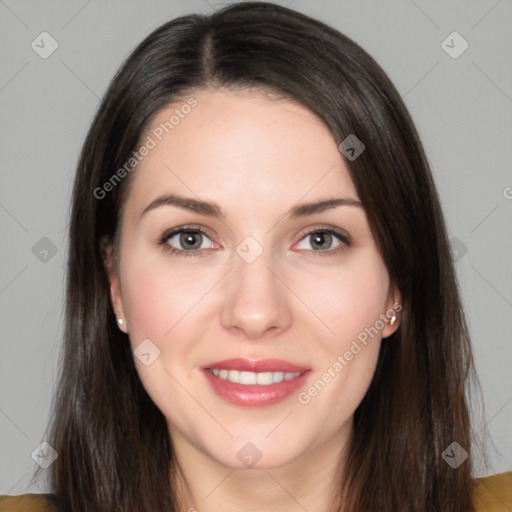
(113, 444)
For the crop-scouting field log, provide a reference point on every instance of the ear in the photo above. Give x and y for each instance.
(107, 252)
(393, 308)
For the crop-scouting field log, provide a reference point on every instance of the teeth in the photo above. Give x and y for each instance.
(247, 378)
(261, 378)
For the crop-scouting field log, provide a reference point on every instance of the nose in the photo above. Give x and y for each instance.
(256, 302)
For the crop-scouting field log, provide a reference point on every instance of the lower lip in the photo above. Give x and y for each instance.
(253, 395)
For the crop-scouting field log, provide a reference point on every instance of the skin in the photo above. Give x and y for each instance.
(291, 303)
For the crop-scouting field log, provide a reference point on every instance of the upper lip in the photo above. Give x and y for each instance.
(257, 365)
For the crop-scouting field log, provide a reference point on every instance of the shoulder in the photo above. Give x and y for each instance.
(28, 503)
(493, 493)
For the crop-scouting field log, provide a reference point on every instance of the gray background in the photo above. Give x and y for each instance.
(461, 106)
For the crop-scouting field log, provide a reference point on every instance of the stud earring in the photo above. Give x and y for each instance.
(393, 320)
(120, 321)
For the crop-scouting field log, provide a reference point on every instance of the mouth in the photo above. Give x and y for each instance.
(255, 383)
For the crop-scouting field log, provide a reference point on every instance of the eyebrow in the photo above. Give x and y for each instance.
(212, 209)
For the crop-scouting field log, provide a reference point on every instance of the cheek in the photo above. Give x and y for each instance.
(147, 304)
(157, 296)
(147, 320)
(351, 305)
(158, 299)
(348, 299)
(352, 301)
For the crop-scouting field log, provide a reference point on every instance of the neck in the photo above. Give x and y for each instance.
(309, 482)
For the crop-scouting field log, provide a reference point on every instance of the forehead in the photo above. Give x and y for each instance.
(243, 147)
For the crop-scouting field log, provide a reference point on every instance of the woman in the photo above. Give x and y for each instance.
(262, 311)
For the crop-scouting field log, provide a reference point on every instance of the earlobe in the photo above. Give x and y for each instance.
(113, 279)
(393, 313)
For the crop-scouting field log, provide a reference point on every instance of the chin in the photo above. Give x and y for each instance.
(260, 453)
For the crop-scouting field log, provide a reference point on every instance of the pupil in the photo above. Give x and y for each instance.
(190, 239)
(319, 239)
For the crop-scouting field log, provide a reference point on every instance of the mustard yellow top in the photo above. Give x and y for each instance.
(491, 494)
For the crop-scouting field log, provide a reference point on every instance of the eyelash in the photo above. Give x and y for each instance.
(162, 241)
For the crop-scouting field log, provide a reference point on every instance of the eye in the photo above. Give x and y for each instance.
(185, 241)
(191, 241)
(325, 241)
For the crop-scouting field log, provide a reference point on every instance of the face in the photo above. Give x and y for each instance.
(293, 303)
